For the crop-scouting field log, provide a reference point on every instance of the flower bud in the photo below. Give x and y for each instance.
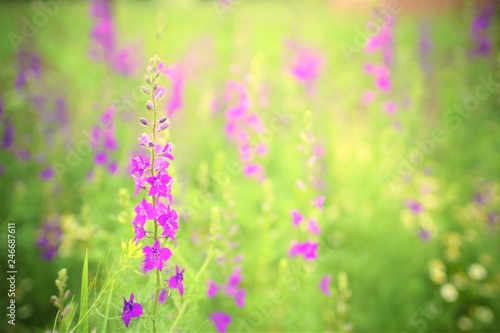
(155, 86)
(149, 105)
(159, 94)
(162, 120)
(144, 121)
(148, 79)
(151, 144)
(162, 127)
(145, 90)
(150, 69)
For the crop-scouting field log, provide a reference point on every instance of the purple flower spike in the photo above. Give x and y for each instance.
(221, 321)
(130, 310)
(175, 281)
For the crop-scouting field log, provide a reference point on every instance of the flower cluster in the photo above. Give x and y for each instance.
(103, 140)
(383, 42)
(312, 153)
(103, 41)
(470, 282)
(29, 64)
(479, 30)
(151, 176)
(231, 288)
(424, 48)
(241, 124)
(177, 76)
(50, 238)
(420, 203)
(306, 64)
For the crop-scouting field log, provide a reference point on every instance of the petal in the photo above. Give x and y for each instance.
(172, 282)
(165, 254)
(136, 310)
(126, 319)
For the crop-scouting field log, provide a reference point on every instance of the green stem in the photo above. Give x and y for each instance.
(196, 279)
(152, 172)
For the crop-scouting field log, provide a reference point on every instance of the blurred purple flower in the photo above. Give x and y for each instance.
(212, 289)
(309, 250)
(306, 64)
(492, 219)
(47, 173)
(176, 76)
(296, 217)
(424, 235)
(313, 227)
(325, 285)
(424, 48)
(163, 296)
(415, 207)
(221, 321)
(8, 134)
(49, 238)
(479, 30)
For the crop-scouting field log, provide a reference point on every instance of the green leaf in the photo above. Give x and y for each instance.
(108, 305)
(83, 320)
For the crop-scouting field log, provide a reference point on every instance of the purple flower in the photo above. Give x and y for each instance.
(479, 31)
(164, 151)
(492, 218)
(47, 173)
(319, 201)
(480, 198)
(414, 206)
(221, 321)
(163, 296)
(139, 184)
(309, 250)
(144, 211)
(325, 285)
(49, 239)
(100, 158)
(144, 140)
(390, 107)
(306, 65)
(239, 298)
(175, 281)
(175, 100)
(212, 289)
(102, 34)
(130, 310)
(155, 256)
(296, 217)
(8, 135)
(168, 221)
(424, 235)
(313, 227)
(160, 185)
